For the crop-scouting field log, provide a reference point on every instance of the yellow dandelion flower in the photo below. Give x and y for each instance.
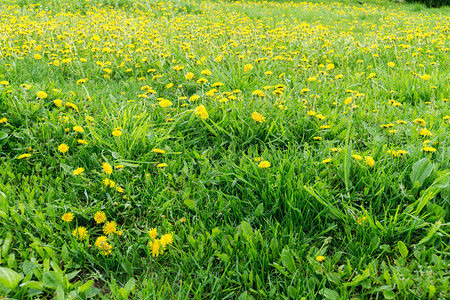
(67, 217)
(42, 94)
(80, 233)
(153, 233)
(110, 228)
(63, 148)
(320, 258)
(257, 117)
(264, 164)
(107, 168)
(100, 217)
(78, 171)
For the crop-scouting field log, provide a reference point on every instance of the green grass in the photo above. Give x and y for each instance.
(339, 214)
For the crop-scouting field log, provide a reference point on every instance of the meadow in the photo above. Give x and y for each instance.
(224, 150)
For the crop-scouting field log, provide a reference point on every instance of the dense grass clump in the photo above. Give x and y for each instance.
(224, 150)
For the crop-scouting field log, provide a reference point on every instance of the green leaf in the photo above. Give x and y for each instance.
(85, 287)
(36, 285)
(374, 244)
(389, 295)
(123, 293)
(329, 294)
(52, 280)
(287, 260)
(130, 285)
(259, 210)
(9, 278)
(60, 295)
(3, 135)
(402, 248)
(190, 204)
(421, 170)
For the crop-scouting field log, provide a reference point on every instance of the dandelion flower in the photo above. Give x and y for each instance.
(264, 164)
(156, 150)
(320, 258)
(166, 239)
(247, 68)
(155, 246)
(26, 155)
(67, 217)
(42, 94)
(257, 117)
(370, 161)
(117, 133)
(78, 171)
(326, 161)
(102, 244)
(162, 165)
(107, 168)
(63, 148)
(100, 217)
(189, 75)
(153, 233)
(201, 111)
(425, 77)
(78, 129)
(429, 149)
(165, 103)
(109, 228)
(80, 233)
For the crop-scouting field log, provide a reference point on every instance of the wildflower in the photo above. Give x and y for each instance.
(247, 68)
(58, 102)
(117, 133)
(202, 80)
(320, 258)
(264, 164)
(201, 111)
(419, 121)
(4, 120)
(37, 56)
(117, 167)
(156, 150)
(78, 171)
(317, 138)
(391, 64)
(425, 132)
(189, 75)
(107, 168)
(4, 82)
(348, 100)
(425, 77)
(330, 67)
(25, 155)
(206, 72)
(370, 161)
(83, 142)
(63, 148)
(194, 98)
(325, 161)
(311, 79)
(80, 233)
(357, 157)
(165, 103)
(153, 233)
(429, 149)
(257, 117)
(109, 228)
(78, 129)
(42, 94)
(102, 244)
(360, 220)
(100, 217)
(162, 165)
(166, 239)
(155, 246)
(67, 217)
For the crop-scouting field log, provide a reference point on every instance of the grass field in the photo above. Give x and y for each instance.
(224, 150)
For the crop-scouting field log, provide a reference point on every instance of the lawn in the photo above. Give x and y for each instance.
(224, 150)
